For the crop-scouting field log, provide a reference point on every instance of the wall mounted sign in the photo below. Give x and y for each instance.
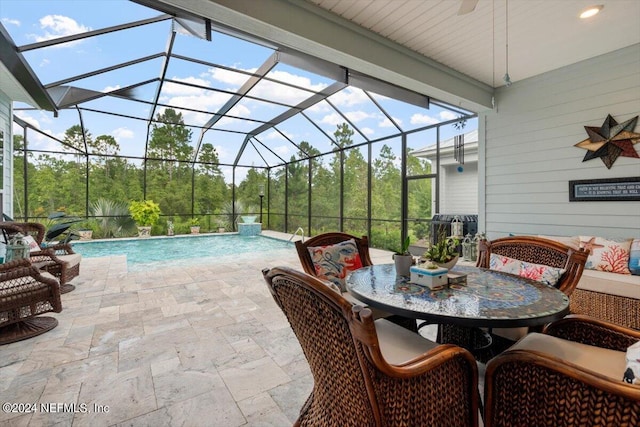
(609, 189)
(610, 141)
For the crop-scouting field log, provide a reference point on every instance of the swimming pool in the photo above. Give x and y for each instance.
(145, 253)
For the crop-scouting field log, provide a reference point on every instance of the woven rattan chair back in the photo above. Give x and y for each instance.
(353, 384)
(34, 229)
(538, 250)
(24, 294)
(318, 317)
(530, 388)
(330, 239)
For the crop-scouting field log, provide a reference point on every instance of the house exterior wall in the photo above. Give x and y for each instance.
(6, 187)
(527, 153)
(459, 195)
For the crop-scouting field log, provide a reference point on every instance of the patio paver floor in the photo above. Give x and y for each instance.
(189, 345)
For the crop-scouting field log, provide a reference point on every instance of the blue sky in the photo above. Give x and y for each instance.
(29, 21)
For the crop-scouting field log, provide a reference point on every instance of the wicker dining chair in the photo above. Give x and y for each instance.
(26, 292)
(59, 259)
(535, 250)
(371, 373)
(304, 249)
(538, 250)
(571, 375)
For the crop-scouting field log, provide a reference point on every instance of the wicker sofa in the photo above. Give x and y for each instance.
(605, 295)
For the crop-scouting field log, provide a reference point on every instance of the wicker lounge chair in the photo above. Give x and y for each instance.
(59, 259)
(370, 373)
(26, 292)
(571, 375)
(362, 244)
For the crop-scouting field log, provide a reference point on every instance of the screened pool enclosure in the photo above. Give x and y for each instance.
(211, 123)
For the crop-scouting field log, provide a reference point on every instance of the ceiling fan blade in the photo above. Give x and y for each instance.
(467, 6)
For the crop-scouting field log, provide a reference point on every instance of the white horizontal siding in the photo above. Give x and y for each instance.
(529, 155)
(6, 185)
(460, 195)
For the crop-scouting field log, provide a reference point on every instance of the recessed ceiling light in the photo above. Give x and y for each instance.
(591, 11)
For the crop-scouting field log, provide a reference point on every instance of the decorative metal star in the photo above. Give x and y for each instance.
(611, 141)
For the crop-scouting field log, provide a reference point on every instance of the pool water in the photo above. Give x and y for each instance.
(155, 250)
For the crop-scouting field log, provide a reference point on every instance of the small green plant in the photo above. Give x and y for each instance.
(404, 249)
(194, 222)
(444, 250)
(112, 219)
(145, 213)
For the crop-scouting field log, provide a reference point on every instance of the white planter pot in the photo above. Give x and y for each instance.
(144, 231)
(403, 264)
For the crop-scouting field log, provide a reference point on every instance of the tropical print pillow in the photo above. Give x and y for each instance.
(538, 272)
(334, 262)
(634, 257)
(607, 254)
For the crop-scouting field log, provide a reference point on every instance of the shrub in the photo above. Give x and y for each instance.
(145, 213)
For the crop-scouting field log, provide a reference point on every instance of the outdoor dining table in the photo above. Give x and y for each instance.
(489, 299)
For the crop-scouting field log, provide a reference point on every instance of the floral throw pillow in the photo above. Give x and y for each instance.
(607, 255)
(334, 262)
(538, 272)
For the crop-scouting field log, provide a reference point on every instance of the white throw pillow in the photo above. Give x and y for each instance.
(632, 374)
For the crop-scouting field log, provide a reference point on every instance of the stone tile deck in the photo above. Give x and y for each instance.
(201, 344)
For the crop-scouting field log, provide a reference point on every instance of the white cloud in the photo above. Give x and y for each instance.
(448, 115)
(110, 88)
(367, 131)
(56, 26)
(229, 77)
(31, 120)
(386, 123)
(349, 97)
(36, 140)
(282, 150)
(223, 153)
(319, 108)
(204, 101)
(274, 135)
(268, 89)
(423, 119)
(122, 133)
(176, 89)
(297, 80)
(357, 116)
(44, 62)
(332, 119)
(11, 21)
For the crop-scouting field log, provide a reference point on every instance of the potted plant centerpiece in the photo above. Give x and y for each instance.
(194, 223)
(443, 253)
(145, 213)
(403, 259)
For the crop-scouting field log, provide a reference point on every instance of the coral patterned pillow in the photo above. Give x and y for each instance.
(334, 262)
(607, 255)
(538, 272)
